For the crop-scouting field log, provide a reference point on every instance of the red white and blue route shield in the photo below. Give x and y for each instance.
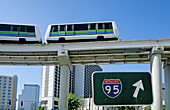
(112, 87)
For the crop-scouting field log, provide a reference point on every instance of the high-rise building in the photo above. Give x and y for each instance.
(29, 99)
(80, 83)
(8, 91)
(48, 83)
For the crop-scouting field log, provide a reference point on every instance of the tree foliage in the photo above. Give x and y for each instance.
(134, 108)
(125, 108)
(40, 108)
(74, 102)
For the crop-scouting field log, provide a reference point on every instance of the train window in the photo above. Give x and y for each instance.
(5, 27)
(69, 28)
(22, 29)
(14, 28)
(30, 29)
(108, 26)
(78, 27)
(100, 26)
(62, 27)
(92, 26)
(54, 29)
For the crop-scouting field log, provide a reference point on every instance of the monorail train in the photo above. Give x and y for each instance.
(19, 33)
(79, 31)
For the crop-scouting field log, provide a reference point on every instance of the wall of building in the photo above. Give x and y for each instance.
(29, 97)
(79, 80)
(48, 87)
(89, 70)
(8, 91)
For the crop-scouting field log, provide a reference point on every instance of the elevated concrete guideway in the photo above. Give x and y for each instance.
(153, 51)
(84, 53)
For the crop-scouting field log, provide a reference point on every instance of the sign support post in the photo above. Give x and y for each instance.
(64, 82)
(156, 77)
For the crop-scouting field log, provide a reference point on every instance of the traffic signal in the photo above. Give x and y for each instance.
(9, 102)
(21, 103)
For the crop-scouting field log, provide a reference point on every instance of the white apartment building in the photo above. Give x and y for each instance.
(80, 83)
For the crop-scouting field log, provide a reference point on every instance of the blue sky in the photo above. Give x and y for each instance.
(136, 19)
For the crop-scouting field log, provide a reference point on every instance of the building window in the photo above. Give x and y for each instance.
(44, 102)
(4, 92)
(4, 87)
(10, 80)
(55, 102)
(3, 101)
(9, 88)
(3, 98)
(4, 83)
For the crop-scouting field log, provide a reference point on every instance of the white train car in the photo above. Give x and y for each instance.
(81, 31)
(19, 33)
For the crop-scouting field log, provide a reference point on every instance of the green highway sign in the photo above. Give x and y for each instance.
(122, 88)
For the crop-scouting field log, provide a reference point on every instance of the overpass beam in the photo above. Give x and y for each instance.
(167, 83)
(65, 65)
(156, 67)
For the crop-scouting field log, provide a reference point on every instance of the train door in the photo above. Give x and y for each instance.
(92, 28)
(100, 29)
(108, 28)
(69, 30)
(14, 30)
(23, 31)
(62, 30)
(31, 31)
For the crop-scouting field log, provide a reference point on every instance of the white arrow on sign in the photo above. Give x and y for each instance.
(139, 85)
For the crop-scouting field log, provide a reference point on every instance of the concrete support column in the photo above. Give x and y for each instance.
(64, 88)
(65, 65)
(156, 81)
(167, 84)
